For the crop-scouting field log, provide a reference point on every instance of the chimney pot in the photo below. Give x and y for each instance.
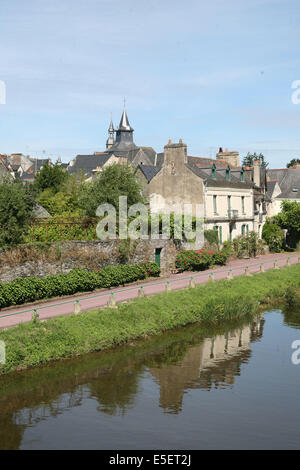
(220, 150)
(170, 141)
(180, 141)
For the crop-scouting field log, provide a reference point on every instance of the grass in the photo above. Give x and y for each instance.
(36, 343)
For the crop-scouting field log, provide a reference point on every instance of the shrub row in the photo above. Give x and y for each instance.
(199, 260)
(29, 289)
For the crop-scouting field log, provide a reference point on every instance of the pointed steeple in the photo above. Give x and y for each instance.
(111, 139)
(124, 135)
(124, 123)
(111, 126)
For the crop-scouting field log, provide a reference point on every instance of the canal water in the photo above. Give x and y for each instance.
(190, 388)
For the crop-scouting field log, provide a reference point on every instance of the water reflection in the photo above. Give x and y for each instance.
(179, 360)
(214, 362)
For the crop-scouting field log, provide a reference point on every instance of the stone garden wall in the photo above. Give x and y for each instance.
(61, 257)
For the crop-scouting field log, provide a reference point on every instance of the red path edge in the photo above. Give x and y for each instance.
(65, 306)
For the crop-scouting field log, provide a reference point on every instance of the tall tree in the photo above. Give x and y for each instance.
(114, 181)
(16, 206)
(251, 157)
(50, 177)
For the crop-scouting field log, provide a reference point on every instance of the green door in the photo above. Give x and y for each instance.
(157, 256)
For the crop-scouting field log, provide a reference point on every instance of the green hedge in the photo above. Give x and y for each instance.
(29, 289)
(199, 260)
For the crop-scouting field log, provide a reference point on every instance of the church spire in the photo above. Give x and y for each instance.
(124, 135)
(124, 123)
(111, 139)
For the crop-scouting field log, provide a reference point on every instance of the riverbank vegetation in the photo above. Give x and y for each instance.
(39, 342)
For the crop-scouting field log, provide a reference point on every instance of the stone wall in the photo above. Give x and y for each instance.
(61, 257)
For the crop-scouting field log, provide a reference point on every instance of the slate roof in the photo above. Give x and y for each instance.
(270, 188)
(206, 174)
(288, 180)
(26, 176)
(88, 163)
(149, 171)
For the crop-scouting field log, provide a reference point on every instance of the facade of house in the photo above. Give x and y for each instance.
(233, 198)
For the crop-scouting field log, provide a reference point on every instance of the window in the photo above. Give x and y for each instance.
(243, 229)
(215, 204)
(220, 234)
(242, 174)
(243, 204)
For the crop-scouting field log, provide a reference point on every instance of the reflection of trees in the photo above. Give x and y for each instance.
(185, 358)
(292, 318)
(11, 434)
(115, 390)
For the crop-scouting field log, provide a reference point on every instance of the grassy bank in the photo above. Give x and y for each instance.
(37, 343)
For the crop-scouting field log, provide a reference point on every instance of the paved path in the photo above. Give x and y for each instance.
(98, 299)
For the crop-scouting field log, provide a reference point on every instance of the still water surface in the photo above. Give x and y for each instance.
(232, 387)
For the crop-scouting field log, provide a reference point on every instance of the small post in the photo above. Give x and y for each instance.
(262, 268)
(229, 275)
(141, 292)
(276, 264)
(112, 301)
(35, 315)
(192, 283)
(212, 277)
(247, 272)
(288, 261)
(77, 307)
(168, 286)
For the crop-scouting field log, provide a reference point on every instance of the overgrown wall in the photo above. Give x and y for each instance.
(61, 257)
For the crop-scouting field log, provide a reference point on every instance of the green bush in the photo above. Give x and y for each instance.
(199, 260)
(211, 236)
(272, 234)
(29, 289)
(247, 245)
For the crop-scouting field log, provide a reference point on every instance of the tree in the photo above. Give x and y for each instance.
(289, 218)
(250, 158)
(63, 203)
(272, 234)
(114, 181)
(16, 206)
(50, 177)
(293, 162)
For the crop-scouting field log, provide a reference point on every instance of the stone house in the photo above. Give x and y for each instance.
(232, 197)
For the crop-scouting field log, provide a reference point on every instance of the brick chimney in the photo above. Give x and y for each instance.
(232, 158)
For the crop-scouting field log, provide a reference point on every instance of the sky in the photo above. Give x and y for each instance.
(216, 74)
